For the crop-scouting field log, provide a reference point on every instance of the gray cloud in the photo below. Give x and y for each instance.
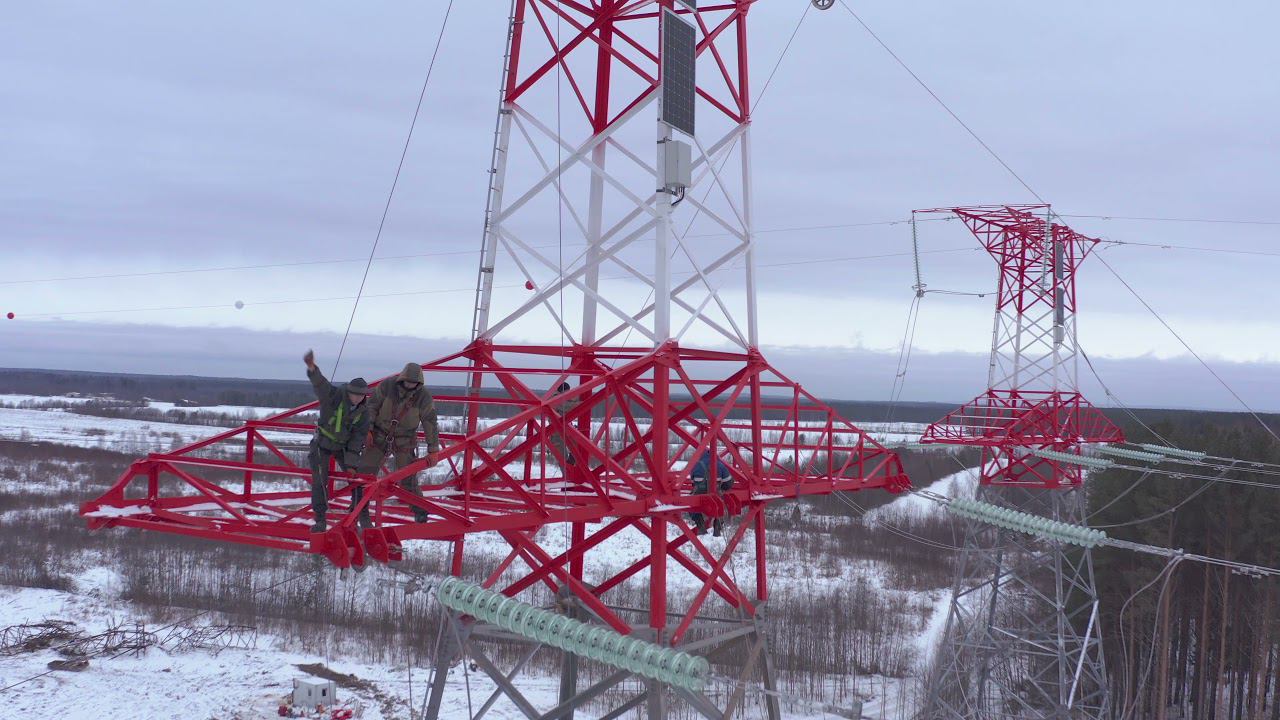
(150, 135)
(829, 372)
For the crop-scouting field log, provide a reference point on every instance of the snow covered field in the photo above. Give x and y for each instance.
(244, 683)
(249, 684)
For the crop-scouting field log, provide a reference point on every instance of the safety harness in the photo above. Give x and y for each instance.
(405, 404)
(333, 430)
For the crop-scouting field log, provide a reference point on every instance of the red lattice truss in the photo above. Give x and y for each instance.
(590, 41)
(1009, 422)
(1006, 424)
(503, 468)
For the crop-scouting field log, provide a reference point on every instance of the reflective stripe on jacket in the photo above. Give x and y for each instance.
(341, 425)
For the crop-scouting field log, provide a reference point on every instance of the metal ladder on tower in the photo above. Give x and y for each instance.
(493, 199)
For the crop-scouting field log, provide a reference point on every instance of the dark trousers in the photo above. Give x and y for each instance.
(700, 488)
(371, 464)
(319, 459)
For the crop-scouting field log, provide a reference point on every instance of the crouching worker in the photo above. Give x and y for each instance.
(340, 433)
(701, 469)
(397, 409)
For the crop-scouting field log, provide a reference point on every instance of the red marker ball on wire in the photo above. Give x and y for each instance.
(10, 316)
(528, 284)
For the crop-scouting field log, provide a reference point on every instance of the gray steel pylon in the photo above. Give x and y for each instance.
(729, 641)
(1022, 639)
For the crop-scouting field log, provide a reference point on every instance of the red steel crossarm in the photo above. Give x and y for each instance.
(539, 557)
(630, 571)
(271, 447)
(724, 586)
(576, 551)
(649, 54)
(717, 569)
(501, 568)
(605, 30)
(558, 51)
(530, 561)
(709, 42)
(560, 56)
(609, 458)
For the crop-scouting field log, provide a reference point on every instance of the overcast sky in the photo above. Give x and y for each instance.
(146, 137)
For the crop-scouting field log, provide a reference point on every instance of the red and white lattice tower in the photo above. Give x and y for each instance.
(1022, 639)
(589, 275)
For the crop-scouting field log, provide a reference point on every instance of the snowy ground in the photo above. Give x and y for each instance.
(191, 685)
(244, 683)
(241, 684)
(910, 506)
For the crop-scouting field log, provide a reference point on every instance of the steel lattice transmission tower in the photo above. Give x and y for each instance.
(1022, 638)
(623, 131)
(597, 110)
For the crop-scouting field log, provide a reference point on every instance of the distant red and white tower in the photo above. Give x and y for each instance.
(1022, 638)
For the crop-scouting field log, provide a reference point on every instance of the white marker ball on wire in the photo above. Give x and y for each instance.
(239, 304)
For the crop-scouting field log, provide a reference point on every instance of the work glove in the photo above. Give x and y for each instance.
(350, 460)
(309, 359)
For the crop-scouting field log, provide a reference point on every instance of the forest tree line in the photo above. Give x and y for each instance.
(1189, 641)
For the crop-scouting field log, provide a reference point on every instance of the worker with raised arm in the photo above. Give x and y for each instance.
(340, 433)
(398, 408)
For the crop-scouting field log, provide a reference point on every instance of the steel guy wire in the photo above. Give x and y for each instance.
(1132, 486)
(843, 497)
(1188, 348)
(941, 103)
(1239, 567)
(1116, 398)
(435, 52)
(1182, 220)
(443, 253)
(904, 355)
(1197, 493)
(1029, 189)
(408, 293)
(762, 231)
(1166, 573)
(1237, 463)
(1196, 476)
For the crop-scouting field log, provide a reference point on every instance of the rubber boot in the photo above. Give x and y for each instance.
(319, 525)
(717, 527)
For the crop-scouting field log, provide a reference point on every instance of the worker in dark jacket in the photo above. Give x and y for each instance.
(699, 472)
(397, 409)
(340, 433)
(555, 436)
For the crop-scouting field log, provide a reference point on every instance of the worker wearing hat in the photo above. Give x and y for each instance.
(340, 433)
(397, 409)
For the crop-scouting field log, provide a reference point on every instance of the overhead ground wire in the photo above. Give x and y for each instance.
(758, 231)
(395, 181)
(1188, 348)
(941, 102)
(408, 293)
